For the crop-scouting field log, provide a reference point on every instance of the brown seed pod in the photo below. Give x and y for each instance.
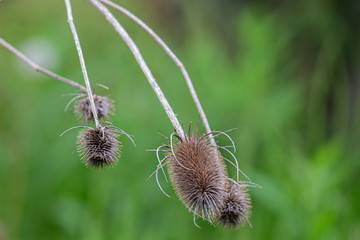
(99, 146)
(104, 106)
(236, 206)
(198, 175)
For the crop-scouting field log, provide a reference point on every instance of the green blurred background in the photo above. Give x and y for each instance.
(284, 73)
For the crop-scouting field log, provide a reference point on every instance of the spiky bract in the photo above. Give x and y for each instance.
(198, 176)
(104, 106)
(236, 206)
(99, 146)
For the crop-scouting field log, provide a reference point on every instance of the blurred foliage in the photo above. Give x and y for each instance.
(284, 73)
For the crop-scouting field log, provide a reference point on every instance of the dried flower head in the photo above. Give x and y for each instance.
(104, 106)
(198, 175)
(236, 206)
(99, 146)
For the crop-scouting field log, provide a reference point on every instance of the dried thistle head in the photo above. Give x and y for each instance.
(104, 106)
(236, 206)
(198, 175)
(99, 146)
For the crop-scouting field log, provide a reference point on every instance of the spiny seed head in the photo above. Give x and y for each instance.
(198, 176)
(236, 206)
(98, 147)
(103, 105)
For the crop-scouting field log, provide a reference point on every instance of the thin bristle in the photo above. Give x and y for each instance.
(104, 106)
(198, 176)
(236, 206)
(98, 147)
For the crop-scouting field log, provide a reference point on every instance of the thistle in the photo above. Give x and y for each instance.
(103, 106)
(99, 146)
(235, 209)
(197, 175)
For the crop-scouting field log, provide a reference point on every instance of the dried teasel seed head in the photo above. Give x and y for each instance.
(104, 106)
(236, 206)
(99, 146)
(198, 176)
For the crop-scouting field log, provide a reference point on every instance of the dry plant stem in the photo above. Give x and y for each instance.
(134, 49)
(173, 57)
(37, 68)
(82, 61)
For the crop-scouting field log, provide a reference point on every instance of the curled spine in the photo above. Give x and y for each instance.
(235, 209)
(179, 170)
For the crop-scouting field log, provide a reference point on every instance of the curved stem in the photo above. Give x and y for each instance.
(82, 61)
(37, 68)
(173, 57)
(134, 49)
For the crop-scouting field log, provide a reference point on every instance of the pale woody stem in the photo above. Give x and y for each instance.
(82, 61)
(134, 49)
(173, 57)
